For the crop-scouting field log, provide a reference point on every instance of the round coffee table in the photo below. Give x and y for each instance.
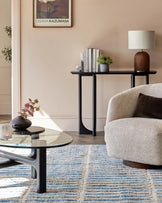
(38, 140)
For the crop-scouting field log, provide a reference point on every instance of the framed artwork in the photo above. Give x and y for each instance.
(52, 13)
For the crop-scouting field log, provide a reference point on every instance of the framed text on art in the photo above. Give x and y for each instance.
(52, 13)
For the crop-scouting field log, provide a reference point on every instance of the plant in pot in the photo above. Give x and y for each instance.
(21, 122)
(104, 62)
(7, 52)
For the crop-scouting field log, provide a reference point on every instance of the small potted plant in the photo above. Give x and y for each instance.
(104, 62)
(7, 52)
(21, 122)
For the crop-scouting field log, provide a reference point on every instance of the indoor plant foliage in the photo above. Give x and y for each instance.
(21, 122)
(29, 108)
(7, 52)
(104, 62)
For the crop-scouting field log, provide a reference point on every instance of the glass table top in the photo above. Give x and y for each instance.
(33, 137)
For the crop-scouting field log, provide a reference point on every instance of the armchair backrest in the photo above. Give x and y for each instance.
(123, 105)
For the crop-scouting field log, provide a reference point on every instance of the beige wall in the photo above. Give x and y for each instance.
(49, 54)
(5, 67)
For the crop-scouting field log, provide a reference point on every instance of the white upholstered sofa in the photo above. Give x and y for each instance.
(130, 138)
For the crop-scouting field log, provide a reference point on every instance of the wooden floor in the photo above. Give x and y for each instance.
(87, 139)
(77, 139)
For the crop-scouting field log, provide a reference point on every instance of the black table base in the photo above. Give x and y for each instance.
(32, 138)
(37, 160)
(82, 128)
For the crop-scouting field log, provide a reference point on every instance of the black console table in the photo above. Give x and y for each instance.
(82, 128)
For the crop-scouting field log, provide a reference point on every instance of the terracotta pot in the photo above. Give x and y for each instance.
(20, 123)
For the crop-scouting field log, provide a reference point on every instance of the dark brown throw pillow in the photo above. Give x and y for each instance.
(148, 107)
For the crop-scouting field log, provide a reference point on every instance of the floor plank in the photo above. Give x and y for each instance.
(87, 139)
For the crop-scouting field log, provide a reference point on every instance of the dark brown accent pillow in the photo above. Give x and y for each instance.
(148, 107)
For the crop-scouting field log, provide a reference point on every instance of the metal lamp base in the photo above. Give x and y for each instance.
(142, 62)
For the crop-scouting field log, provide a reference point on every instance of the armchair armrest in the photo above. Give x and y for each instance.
(122, 105)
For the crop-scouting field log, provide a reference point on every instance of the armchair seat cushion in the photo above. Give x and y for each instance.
(135, 139)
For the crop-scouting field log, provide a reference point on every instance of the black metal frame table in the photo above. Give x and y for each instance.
(82, 128)
(38, 140)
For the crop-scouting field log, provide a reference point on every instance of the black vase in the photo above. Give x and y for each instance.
(20, 123)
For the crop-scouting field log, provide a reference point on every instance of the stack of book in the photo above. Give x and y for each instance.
(89, 60)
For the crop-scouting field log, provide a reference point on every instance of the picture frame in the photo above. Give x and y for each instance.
(52, 13)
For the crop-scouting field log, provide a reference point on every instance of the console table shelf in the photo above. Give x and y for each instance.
(113, 73)
(82, 128)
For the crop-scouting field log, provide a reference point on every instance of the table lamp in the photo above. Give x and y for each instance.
(141, 39)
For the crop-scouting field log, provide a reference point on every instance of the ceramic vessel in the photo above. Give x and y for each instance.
(20, 123)
(103, 68)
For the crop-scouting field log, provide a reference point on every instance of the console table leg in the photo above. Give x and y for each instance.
(80, 102)
(132, 80)
(147, 79)
(94, 105)
(82, 128)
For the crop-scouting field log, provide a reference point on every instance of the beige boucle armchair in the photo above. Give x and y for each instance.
(133, 139)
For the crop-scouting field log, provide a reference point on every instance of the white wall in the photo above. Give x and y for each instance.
(49, 54)
(5, 67)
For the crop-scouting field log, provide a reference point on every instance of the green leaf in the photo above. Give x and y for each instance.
(104, 60)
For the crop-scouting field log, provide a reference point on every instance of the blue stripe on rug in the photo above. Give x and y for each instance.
(82, 173)
(109, 180)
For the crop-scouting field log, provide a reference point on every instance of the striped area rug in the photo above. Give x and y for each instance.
(82, 173)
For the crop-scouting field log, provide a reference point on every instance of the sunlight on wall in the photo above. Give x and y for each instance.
(42, 119)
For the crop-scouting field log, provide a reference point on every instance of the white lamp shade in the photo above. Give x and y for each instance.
(138, 39)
